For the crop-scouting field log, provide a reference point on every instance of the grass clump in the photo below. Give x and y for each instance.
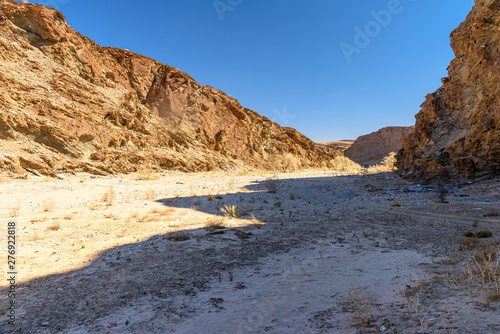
(177, 236)
(109, 197)
(48, 205)
(484, 234)
(54, 227)
(480, 234)
(361, 303)
(229, 211)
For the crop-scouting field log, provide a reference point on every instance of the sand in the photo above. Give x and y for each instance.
(108, 255)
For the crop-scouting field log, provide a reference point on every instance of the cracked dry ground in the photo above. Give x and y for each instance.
(119, 255)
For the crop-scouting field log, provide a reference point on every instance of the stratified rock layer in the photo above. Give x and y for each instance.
(67, 104)
(371, 149)
(457, 132)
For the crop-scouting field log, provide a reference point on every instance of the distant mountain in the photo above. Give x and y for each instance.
(340, 145)
(69, 105)
(371, 149)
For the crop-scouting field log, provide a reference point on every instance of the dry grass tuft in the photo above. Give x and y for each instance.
(15, 209)
(229, 211)
(150, 194)
(109, 197)
(48, 205)
(215, 224)
(54, 227)
(111, 215)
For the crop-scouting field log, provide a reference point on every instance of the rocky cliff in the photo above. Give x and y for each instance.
(332, 146)
(371, 149)
(457, 132)
(69, 105)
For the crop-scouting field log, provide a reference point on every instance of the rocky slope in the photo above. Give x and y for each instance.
(69, 105)
(371, 149)
(340, 145)
(457, 132)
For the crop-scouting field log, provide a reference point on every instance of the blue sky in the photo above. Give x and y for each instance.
(287, 59)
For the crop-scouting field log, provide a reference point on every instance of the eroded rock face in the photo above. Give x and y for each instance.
(371, 149)
(67, 104)
(340, 145)
(457, 132)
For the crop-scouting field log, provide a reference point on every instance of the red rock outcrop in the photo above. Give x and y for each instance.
(67, 104)
(457, 132)
(371, 149)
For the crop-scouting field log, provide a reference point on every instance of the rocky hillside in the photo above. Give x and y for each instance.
(371, 149)
(331, 146)
(69, 105)
(457, 132)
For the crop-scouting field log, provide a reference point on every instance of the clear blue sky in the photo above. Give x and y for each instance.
(283, 58)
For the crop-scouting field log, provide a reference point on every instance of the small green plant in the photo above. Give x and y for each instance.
(480, 234)
(484, 234)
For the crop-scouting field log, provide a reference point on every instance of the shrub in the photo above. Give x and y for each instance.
(484, 234)
(271, 184)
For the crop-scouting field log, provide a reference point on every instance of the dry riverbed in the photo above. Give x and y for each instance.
(308, 252)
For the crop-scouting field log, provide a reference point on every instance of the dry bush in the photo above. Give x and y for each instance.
(54, 227)
(470, 243)
(244, 210)
(344, 164)
(481, 272)
(109, 197)
(150, 194)
(48, 205)
(387, 165)
(361, 303)
(271, 184)
(415, 297)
